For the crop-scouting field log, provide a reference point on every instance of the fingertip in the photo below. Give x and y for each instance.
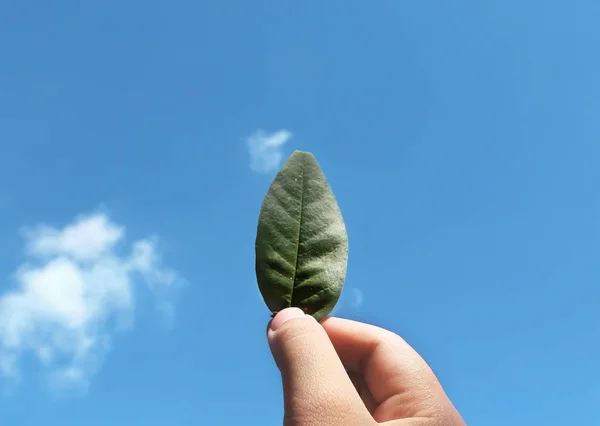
(283, 316)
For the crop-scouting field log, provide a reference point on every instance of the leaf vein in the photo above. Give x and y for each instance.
(300, 222)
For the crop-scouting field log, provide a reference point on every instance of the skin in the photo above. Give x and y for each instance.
(346, 373)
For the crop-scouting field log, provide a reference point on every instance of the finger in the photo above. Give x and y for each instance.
(316, 387)
(363, 390)
(400, 380)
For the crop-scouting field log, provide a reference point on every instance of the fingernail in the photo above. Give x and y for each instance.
(285, 315)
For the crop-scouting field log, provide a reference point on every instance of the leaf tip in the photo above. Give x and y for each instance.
(302, 157)
(298, 153)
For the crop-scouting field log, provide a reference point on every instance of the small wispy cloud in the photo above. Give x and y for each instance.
(74, 292)
(358, 298)
(266, 149)
(352, 298)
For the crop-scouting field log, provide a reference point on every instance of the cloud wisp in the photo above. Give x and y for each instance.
(75, 291)
(352, 299)
(266, 149)
(358, 298)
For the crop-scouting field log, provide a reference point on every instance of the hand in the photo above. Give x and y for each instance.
(346, 373)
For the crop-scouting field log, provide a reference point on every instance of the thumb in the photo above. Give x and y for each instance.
(316, 387)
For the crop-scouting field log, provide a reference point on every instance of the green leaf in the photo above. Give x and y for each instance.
(301, 241)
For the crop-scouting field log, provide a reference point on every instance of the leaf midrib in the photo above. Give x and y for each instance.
(299, 233)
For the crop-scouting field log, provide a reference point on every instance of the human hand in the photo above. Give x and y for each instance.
(346, 373)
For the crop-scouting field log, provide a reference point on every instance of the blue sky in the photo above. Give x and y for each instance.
(461, 139)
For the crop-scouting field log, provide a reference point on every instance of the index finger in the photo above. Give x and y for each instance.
(394, 372)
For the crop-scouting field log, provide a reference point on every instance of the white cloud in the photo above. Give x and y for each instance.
(265, 149)
(83, 240)
(352, 298)
(73, 294)
(358, 298)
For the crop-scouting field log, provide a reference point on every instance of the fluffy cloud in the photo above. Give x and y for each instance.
(76, 289)
(265, 149)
